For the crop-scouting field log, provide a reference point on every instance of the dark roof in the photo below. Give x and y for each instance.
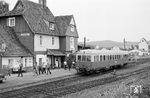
(34, 14)
(12, 13)
(55, 52)
(13, 47)
(63, 22)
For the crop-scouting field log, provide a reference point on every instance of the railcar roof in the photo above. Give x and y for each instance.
(103, 52)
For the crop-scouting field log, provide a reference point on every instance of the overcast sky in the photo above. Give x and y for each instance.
(105, 19)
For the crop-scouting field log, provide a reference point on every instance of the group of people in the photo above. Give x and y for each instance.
(42, 68)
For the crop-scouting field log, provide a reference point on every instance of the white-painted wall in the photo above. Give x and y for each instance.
(46, 42)
(143, 45)
(16, 61)
(44, 58)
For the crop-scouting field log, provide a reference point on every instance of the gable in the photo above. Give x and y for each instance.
(18, 6)
(143, 40)
(64, 24)
(72, 21)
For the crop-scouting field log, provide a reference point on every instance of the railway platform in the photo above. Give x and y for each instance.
(29, 79)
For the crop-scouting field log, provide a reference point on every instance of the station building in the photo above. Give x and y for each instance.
(45, 38)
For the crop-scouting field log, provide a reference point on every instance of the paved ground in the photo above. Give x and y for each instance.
(14, 81)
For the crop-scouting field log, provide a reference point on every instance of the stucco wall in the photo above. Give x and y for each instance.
(44, 58)
(16, 63)
(46, 42)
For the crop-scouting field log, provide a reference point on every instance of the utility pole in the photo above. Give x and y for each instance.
(84, 42)
(124, 41)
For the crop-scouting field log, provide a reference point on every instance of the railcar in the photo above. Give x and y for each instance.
(91, 60)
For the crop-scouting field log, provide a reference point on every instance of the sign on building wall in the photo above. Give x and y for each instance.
(25, 34)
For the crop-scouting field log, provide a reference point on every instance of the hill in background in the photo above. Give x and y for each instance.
(108, 44)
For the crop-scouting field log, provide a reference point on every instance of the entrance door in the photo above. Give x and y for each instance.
(10, 63)
(40, 61)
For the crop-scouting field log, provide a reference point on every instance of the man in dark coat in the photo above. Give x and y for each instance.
(20, 70)
(48, 66)
(69, 62)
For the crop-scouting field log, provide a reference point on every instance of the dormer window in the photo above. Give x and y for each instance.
(72, 28)
(51, 26)
(11, 21)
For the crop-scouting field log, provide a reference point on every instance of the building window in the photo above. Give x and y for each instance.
(25, 62)
(11, 21)
(72, 28)
(40, 40)
(51, 26)
(52, 40)
(71, 43)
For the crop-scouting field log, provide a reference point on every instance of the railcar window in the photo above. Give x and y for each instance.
(83, 58)
(88, 58)
(110, 57)
(125, 56)
(79, 57)
(100, 58)
(119, 56)
(104, 57)
(96, 58)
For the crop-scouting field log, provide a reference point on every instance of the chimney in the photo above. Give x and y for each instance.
(42, 2)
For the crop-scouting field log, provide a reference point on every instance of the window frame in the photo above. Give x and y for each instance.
(83, 58)
(9, 22)
(79, 57)
(41, 42)
(51, 26)
(101, 58)
(72, 28)
(88, 58)
(72, 43)
(53, 40)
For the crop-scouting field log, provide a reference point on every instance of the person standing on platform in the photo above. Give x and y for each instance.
(20, 68)
(40, 68)
(35, 69)
(9, 70)
(44, 68)
(69, 62)
(48, 66)
(65, 65)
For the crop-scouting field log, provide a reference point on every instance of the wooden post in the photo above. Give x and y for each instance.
(0, 62)
(124, 43)
(84, 42)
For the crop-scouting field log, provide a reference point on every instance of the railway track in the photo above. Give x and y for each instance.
(67, 86)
